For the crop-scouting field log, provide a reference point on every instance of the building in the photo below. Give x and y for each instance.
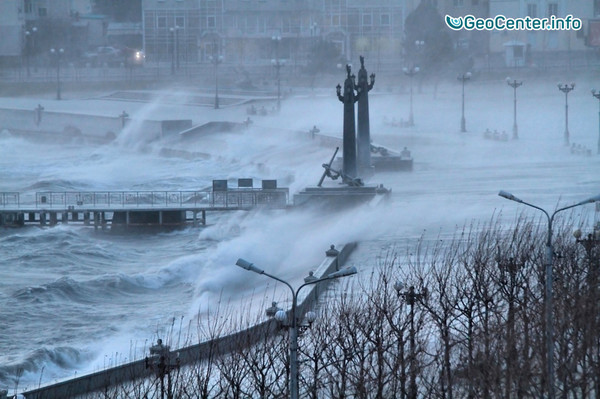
(542, 47)
(30, 28)
(473, 42)
(258, 31)
(12, 19)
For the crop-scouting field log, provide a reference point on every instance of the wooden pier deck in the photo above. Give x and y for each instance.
(130, 209)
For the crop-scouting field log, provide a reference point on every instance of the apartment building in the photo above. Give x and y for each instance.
(12, 18)
(542, 41)
(257, 31)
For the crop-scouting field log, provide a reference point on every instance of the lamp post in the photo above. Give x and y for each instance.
(411, 297)
(411, 72)
(514, 84)
(589, 243)
(463, 78)
(566, 88)
(175, 48)
(27, 50)
(597, 95)
(277, 63)
(216, 60)
(548, 283)
(294, 325)
(57, 53)
(160, 362)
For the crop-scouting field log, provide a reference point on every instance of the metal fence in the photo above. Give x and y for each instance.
(233, 198)
(115, 199)
(9, 199)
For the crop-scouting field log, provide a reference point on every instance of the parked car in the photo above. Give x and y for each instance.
(103, 55)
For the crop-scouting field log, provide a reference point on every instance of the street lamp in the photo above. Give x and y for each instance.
(281, 315)
(411, 72)
(277, 63)
(411, 297)
(29, 47)
(514, 84)
(463, 78)
(57, 53)
(548, 284)
(588, 243)
(175, 48)
(27, 50)
(216, 60)
(160, 362)
(566, 88)
(597, 95)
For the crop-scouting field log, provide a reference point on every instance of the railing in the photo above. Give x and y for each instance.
(113, 199)
(9, 199)
(232, 198)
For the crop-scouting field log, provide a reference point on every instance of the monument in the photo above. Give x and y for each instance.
(351, 190)
(349, 137)
(364, 133)
(364, 155)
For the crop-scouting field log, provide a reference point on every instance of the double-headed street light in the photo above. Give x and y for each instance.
(566, 88)
(29, 46)
(463, 78)
(277, 63)
(174, 48)
(548, 283)
(294, 323)
(597, 95)
(57, 53)
(411, 297)
(216, 59)
(514, 84)
(411, 72)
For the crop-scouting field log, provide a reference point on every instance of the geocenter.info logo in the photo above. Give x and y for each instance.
(500, 22)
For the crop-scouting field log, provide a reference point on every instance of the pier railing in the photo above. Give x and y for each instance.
(232, 198)
(9, 199)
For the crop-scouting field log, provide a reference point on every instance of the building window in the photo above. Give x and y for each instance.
(28, 7)
(161, 22)
(180, 21)
(475, 2)
(552, 9)
(459, 3)
(532, 10)
(366, 20)
(335, 20)
(385, 20)
(211, 22)
(596, 7)
(42, 11)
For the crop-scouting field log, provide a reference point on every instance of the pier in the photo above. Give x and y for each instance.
(114, 210)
